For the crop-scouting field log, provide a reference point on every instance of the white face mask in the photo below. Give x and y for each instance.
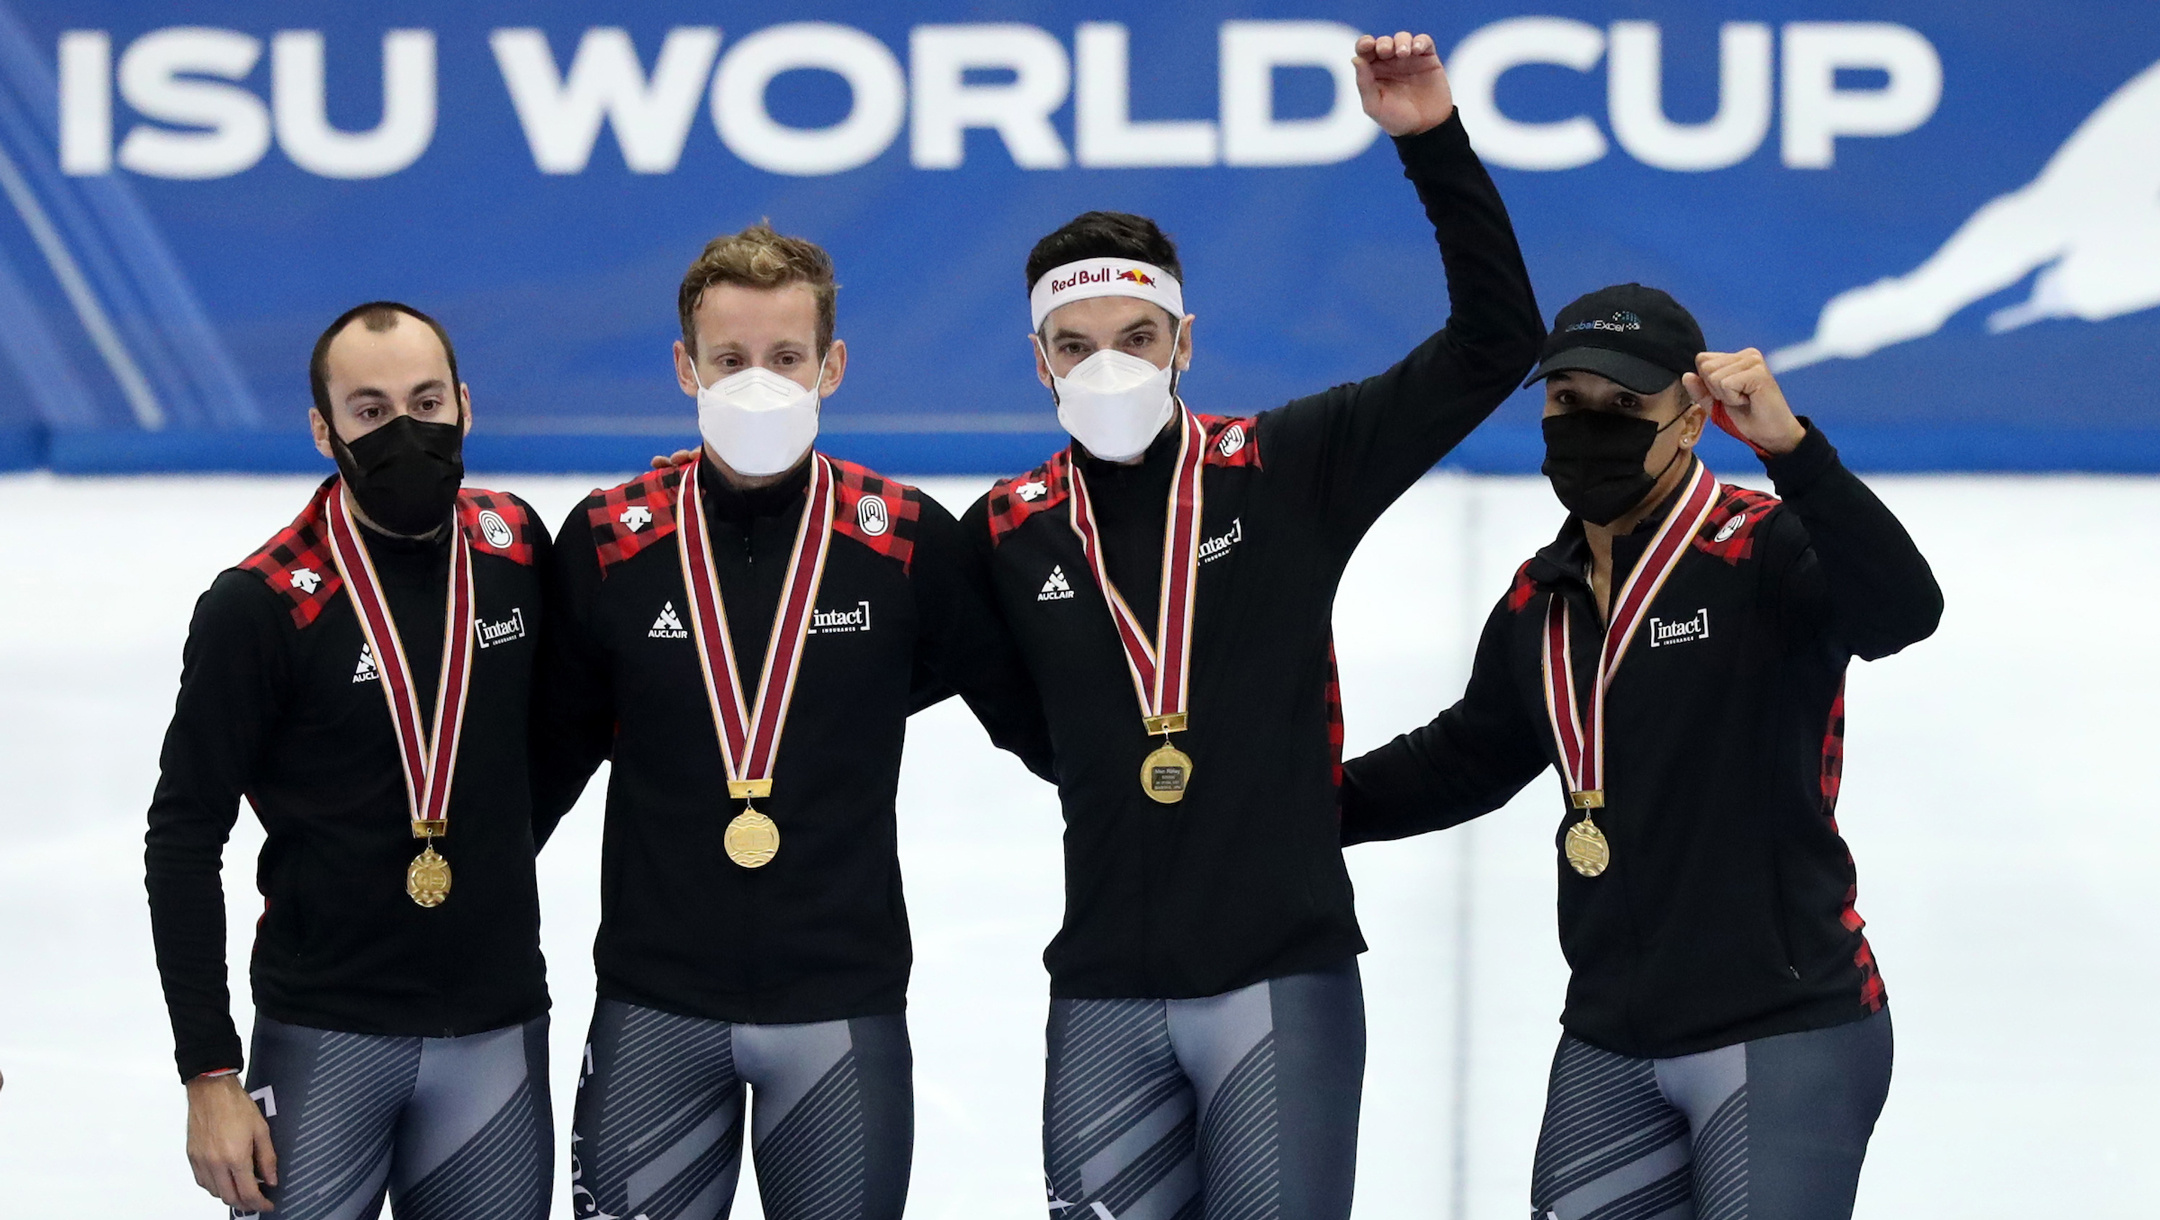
(1116, 404)
(759, 422)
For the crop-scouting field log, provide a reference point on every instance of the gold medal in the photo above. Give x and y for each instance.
(1587, 851)
(1165, 774)
(752, 840)
(427, 878)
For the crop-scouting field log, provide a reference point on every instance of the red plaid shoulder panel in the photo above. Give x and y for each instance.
(1521, 590)
(296, 564)
(497, 523)
(1232, 441)
(876, 511)
(627, 519)
(1012, 501)
(1734, 520)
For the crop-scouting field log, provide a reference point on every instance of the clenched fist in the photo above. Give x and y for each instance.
(1402, 84)
(1748, 402)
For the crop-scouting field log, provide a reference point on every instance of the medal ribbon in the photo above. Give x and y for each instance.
(1161, 668)
(750, 734)
(1581, 732)
(429, 756)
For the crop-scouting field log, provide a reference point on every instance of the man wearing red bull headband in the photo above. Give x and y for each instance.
(1171, 578)
(364, 681)
(744, 635)
(1678, 654)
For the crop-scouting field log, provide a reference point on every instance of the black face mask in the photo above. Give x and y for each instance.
(1595, 462)
(405, 474)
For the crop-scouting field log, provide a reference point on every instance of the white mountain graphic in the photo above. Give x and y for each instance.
(2090, 223)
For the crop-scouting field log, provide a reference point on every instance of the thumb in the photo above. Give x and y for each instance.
(1367, 84)
(1695, 387)
(265, 1154)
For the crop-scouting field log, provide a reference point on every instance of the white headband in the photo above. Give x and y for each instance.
(1105, 277)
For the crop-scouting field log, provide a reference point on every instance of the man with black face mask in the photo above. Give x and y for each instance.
(1678, 654)
(363, 680)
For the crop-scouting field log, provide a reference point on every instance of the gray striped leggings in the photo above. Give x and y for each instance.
(1773, 1129)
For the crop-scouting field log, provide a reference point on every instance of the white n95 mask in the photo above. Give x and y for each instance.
(1115, 404)
(759, 422)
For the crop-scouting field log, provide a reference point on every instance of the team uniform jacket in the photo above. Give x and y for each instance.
(1727, 913)
(821, 932)
(1244, 879)
(280, 703)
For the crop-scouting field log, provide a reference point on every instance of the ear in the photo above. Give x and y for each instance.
(321, 431)
(835, 368)
(1184, 345)
(685, 370)
(1692, 421)
(1042, 361)
(464, 393)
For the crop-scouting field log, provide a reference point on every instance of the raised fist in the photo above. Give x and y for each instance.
(1402, 84)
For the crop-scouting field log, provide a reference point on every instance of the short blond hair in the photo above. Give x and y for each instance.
(758, 257)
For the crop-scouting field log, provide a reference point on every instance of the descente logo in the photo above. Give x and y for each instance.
(1664, 632)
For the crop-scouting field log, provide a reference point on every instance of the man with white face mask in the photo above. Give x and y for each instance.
(1171, 577)
(745, 636)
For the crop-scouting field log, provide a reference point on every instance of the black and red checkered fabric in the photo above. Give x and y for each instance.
(296, 564)
(476, 505)
(1012, 501)
(634, 516)
(1233, 440)
(1751, 507)
(1334, 712)
(876, 511)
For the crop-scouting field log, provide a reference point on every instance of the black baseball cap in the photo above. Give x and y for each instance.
(1637, 336)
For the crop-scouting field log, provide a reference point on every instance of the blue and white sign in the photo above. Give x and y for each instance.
(1945, 225)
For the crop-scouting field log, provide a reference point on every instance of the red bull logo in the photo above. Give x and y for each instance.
(1137, 277)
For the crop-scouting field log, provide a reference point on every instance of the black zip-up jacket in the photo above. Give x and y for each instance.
(821, 932)
(1244, 879)
(278, 704)
(1727, 913)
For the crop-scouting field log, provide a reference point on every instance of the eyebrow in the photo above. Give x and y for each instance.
(1066, 332)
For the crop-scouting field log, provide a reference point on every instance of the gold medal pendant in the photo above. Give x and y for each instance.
(752, 840)
(1165, 774)
(1587, 851)
(427, 878)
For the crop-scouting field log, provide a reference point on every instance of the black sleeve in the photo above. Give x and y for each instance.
(1360, 446)
(1857, 576)
(573, 713)
(234, 671)
(965, 645)
(1469, 761)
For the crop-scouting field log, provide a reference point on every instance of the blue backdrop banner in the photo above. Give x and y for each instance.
(1944, 227)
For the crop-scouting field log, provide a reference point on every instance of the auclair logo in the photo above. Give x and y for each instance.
(1666, 632)
(489, 634)
(494, 530)
(872, 516)
(1215, 548)
(365, 670)
(668, 626)
(635, 517)
(1056, 588)
(841, 622)
(307, 580)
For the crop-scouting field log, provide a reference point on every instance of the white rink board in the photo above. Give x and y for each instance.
(1992, 798)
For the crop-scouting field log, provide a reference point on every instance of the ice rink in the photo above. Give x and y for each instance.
(1998, 797)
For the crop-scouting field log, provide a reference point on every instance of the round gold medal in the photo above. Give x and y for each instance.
(1165, 774)
(752, 840)
(427, 878)
(1587, 851)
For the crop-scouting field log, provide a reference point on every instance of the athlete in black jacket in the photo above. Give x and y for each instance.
(1206, 1029)
(760, 940)
(401, 1033)
(1727, 1037)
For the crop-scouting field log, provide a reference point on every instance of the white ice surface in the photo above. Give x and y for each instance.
(1994, 797)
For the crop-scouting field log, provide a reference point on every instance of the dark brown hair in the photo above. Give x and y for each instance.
(377, 317)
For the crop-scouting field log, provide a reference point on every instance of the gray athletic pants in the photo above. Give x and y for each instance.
(1773, 1129)
(452, 1128)
(1242, 1105)
(658, 1131)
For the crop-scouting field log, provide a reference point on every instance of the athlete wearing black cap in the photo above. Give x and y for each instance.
(363, 680)
(1727, 1039)
(1171, 577)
